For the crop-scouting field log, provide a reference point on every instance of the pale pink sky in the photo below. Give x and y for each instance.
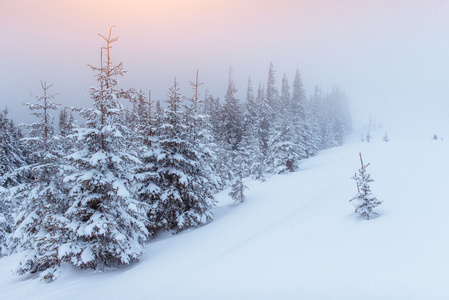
(388, 55)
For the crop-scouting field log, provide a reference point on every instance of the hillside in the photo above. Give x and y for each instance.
(296, 237)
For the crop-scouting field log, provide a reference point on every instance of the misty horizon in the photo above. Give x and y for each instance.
(390, 58)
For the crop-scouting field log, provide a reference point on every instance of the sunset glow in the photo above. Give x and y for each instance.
(374, 50)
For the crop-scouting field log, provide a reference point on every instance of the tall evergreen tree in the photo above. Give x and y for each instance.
(284, 153)
(42, 199)
(272, 94)
(180, 195)
(265, 120)
(232, 117)
(251, 148)
(301, 119)
(107, 226)
(12, 158)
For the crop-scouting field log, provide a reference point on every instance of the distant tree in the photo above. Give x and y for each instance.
(265, 120)
(364, 202)
(385, 138)
(12, 153)
(66, 122)
(232, 117)
(284, 151)
(301, 119)
(237, 189)
(251, 152)
(272, 93)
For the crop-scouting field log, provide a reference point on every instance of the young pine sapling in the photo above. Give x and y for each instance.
(364, 201)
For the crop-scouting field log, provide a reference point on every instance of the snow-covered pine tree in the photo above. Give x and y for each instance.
(368, 137)
(232, 132)
(215, 111)
(66, 122)
(143, 123)
(222, 165)
(232, 117)
(338, 115)
(42, 199)
(5, 222)
(12, 155)
(252, 158)
(364, 201)
(238, 188)
(180, 195)
(106, 225)
(284, 153)
(265, 120)
(67, 125)
(317, 120)
(200, 133)
(301, 119)
(272, 94)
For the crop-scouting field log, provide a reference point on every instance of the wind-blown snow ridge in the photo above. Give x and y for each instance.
(295, 237)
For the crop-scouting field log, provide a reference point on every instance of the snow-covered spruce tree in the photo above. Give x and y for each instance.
(12, 157)
(222, 165)
(300, 111)
(42, 199)
(272, 94)
(253, 160)
(265, 120)
(200, 133)
(180, 192)
(145, 144)
(368, 137)
(66, 122)
(238, 188)
(364, 201)
(232, 117)
(5, 224)
(231, 134)
(12, 153)
(284, 151)
(316, 120)
(106, 226)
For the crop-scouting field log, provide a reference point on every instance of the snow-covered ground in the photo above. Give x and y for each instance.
(296, 237)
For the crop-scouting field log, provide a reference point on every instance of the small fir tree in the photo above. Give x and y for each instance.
(364, 202)
(368, 137)
(237, 189)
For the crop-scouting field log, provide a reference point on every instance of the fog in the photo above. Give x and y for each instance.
(391, 58)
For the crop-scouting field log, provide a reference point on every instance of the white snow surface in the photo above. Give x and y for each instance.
(295, 237)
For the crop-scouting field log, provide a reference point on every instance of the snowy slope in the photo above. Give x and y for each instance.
(296, 237)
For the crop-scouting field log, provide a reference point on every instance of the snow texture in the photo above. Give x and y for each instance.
(295, 237)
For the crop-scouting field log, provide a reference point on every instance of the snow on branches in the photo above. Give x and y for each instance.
(364, 201)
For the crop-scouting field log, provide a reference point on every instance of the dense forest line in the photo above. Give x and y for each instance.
(92, 195)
